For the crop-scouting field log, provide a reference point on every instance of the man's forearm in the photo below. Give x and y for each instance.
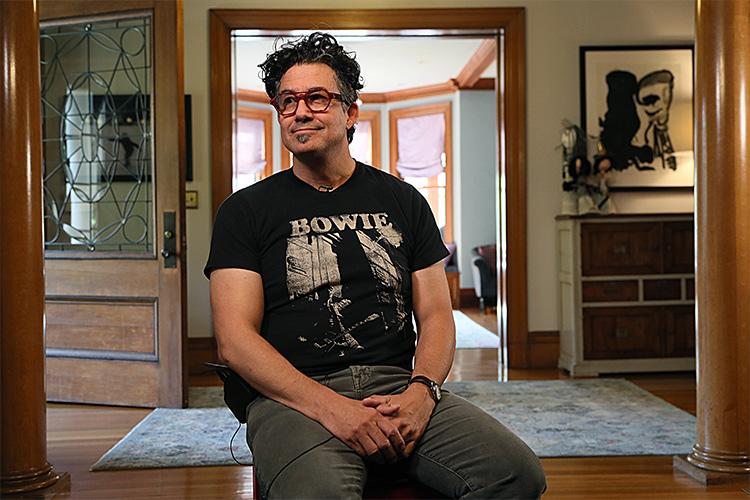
(268, 372)
(436, 346)
(363, 429)
(433, 358)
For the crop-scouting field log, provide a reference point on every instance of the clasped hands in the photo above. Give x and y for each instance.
(384, 428)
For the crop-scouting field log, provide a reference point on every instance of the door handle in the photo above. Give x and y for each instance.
(169, 246)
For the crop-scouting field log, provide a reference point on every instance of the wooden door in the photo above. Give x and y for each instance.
(113, 150)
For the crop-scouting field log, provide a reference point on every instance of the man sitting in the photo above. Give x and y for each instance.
(315, 273)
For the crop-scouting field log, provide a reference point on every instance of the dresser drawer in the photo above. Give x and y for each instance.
(620, 248)
(622, 332)
(609, 291)
(669, 289)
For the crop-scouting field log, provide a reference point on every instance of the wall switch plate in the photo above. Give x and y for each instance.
(191, 199)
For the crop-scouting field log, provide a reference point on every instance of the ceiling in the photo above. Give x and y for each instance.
(388, 63)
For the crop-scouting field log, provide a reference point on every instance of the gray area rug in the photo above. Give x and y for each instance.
(557, 418)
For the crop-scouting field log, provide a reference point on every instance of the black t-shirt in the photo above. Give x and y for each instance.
(336, 266)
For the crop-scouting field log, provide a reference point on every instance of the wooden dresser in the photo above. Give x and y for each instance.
(627, 293)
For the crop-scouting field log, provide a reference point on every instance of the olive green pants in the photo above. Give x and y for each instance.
(463, 453)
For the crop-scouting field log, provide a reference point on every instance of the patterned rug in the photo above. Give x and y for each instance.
(472, 335)
(557, 418)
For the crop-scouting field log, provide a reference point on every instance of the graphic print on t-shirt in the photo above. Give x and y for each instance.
(323, 252)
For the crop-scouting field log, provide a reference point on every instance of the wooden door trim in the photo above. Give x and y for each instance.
(220, 48)
(511, 120)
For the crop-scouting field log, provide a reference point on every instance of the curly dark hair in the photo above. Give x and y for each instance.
(315, 48)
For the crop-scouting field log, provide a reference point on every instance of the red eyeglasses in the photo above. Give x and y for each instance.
(318, 100)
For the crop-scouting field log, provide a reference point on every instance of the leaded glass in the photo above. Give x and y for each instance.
(97, 136)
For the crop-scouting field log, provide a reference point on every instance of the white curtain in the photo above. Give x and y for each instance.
(421, 144)
(361, 146)
(250, 146)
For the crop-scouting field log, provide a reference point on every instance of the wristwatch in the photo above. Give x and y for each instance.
(433, 386)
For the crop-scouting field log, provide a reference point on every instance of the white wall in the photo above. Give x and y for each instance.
(476, 176)
(554, 31)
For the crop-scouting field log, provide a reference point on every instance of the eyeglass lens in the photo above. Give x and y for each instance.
(316, 100)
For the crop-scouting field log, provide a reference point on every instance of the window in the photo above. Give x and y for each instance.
(253, 157)
(366, 144)
(420, 154)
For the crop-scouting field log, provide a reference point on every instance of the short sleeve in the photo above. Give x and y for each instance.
(234, 244)
(428, 245)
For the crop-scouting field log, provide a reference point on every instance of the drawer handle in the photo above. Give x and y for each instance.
(620, 249)
(621, 333)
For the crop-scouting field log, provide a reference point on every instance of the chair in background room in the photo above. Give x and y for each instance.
(484, 271)
(453, 276)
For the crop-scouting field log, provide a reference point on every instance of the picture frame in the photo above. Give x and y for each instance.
(130, 110)
(126, 148)
(637, 109)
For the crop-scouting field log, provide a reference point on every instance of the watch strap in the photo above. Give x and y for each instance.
(433, 386)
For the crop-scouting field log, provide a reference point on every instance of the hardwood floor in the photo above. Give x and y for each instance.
(79, 434)
(487, 320)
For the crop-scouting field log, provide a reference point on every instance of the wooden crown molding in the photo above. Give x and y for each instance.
(248, 95)
(480, 61)
(448, 87)
(394, 96)
(374, 97)
(482, 84)
(412, 93)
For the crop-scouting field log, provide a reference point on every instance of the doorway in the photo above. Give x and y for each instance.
(506, 26)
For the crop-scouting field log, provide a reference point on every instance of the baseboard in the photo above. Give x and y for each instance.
(200, 350)
(543, 349)
(468, 297)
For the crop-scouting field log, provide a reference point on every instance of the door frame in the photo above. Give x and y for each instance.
(512, 303)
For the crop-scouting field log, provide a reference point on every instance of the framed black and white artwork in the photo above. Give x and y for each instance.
(637, 106)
